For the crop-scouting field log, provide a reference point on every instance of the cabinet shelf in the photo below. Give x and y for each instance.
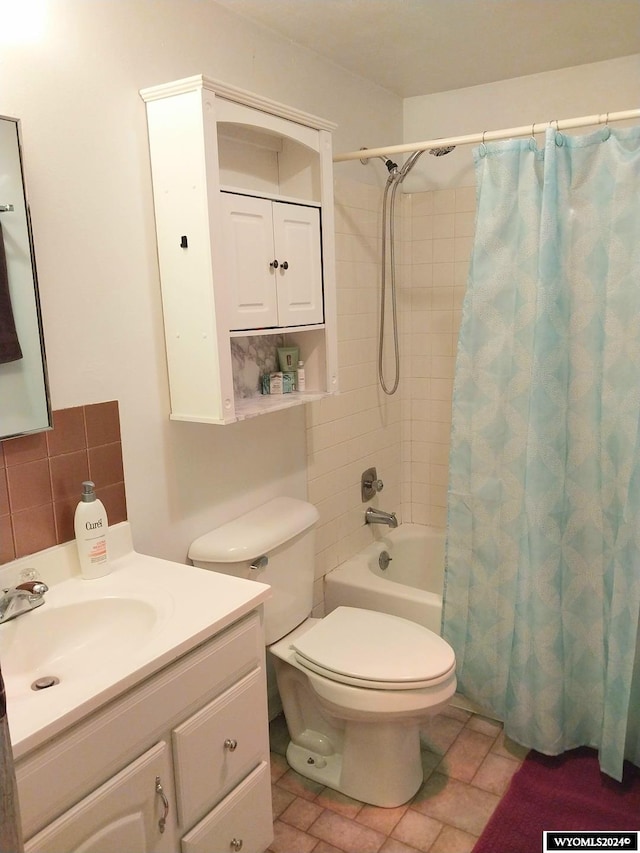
(275, 330)
(271, 196)
(206, 140)
(251, 407)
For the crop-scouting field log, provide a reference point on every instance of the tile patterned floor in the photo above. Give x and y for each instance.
(468, 764)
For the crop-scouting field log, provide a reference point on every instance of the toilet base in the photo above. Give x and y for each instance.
(324, 769)
(381, 764)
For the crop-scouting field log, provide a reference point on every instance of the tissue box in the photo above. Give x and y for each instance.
(279, 383)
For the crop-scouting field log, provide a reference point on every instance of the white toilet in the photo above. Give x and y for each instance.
(355, 686)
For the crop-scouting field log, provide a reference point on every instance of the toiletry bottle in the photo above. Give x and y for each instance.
(301, 380)
(90, 525)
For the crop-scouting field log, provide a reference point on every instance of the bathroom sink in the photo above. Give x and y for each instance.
(86, 635)
(94, 639)
(71, 640)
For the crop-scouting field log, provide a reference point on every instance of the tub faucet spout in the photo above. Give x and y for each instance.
(379, 516)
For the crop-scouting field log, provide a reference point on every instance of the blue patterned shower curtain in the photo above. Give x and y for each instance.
(543, 543)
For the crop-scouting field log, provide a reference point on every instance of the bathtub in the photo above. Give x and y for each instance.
(412, 584)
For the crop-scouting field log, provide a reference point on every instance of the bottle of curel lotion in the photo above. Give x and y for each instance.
(91, 525)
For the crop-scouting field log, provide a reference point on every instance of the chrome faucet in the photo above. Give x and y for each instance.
(21, 599)
(379, 516)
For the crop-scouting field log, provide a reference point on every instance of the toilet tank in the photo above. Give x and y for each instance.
(282, 531)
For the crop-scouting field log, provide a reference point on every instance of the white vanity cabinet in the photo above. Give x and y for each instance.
(240, 184)
(274, 262)
(178, 764)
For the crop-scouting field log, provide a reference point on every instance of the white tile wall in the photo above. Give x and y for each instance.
(442, 226)
(405, 436)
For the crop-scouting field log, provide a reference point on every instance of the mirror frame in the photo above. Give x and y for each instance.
(37, 416)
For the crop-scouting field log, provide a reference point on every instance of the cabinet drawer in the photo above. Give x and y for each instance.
(217, 747)
(242, 821)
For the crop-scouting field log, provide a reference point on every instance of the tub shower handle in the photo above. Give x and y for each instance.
(370, 485)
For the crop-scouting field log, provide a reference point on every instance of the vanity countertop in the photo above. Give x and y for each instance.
(101, 637)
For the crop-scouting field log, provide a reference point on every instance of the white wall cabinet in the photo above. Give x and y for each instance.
(239, 182)
(198, 729)
(274, 262)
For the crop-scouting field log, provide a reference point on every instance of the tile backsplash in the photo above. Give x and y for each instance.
(40, 477)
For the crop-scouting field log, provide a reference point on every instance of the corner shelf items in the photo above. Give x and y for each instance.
(243, 196)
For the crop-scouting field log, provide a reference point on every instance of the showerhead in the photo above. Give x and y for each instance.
(413, 159)
(397, 174)
(392, 167)
(440, 152)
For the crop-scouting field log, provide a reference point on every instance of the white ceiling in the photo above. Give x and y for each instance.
(417, 47)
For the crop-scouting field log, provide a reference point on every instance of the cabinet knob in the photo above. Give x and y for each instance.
(231, 744)
(236, 844)
(274, 264)
(285, 265)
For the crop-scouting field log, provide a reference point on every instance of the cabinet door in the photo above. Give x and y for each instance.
(248, 242)
(124, 814)
(296, 231)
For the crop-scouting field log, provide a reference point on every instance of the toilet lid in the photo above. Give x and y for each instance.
(367, 648)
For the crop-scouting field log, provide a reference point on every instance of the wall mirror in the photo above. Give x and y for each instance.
(24, 392)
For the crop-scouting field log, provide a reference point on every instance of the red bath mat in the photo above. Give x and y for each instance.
(565, 792)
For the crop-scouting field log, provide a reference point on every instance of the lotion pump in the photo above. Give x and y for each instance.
(90, 525)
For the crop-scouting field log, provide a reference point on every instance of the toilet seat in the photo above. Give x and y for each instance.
(365, 648)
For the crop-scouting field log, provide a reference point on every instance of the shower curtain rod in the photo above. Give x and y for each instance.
(487, 136)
